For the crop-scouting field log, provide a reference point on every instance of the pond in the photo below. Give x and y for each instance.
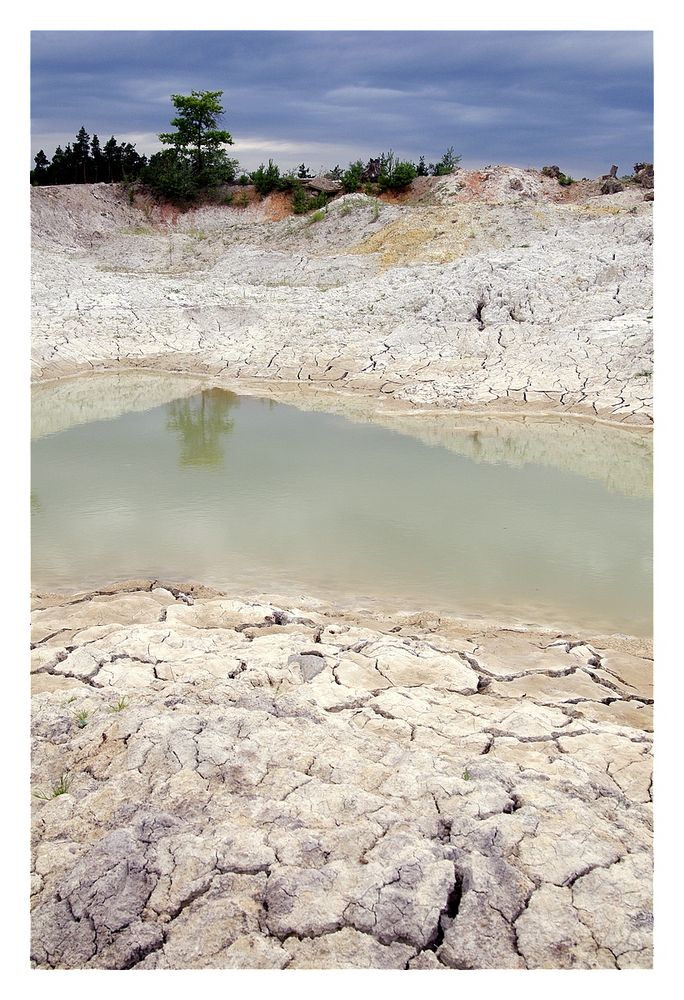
(251, 496)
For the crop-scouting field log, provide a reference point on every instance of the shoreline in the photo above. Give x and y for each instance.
(284, 390)
(382, 611)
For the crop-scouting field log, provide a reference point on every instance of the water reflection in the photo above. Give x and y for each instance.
(201, 421)
(489, 519)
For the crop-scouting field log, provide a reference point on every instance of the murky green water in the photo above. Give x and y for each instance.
(249, 495)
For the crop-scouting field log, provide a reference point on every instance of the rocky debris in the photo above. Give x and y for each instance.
(376, 299)
(644, 175)
(553, 171)
(425, 795)
(648, 196)
(324, 185)
(612, 174)
(611, 186)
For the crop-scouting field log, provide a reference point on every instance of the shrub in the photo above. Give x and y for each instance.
(448, 164)
(398, 176)
(300, 200)
(170, 176)
(244, 179)
(288, 182)
(565, 180)
(351, 178)
(303, 202)
(265, 179)
(395, 174)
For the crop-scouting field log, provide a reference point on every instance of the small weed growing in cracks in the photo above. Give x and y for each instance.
(120, 705)
(466, 775)
(316, 217)
(61, 788)
(82, 719)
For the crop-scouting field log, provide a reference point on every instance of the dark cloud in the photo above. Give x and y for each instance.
(580, 99)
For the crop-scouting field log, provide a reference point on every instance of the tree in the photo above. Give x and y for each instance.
(82, 153)
(303, 171)
(40, 174)
(96, 154)
(112, 158)
(197, 135)
(422, 170)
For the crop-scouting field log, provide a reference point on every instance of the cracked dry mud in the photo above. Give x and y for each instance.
(473, 301)
(308, 788)
(250, 785)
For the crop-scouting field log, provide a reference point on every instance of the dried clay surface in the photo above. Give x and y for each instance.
(230, 784)
(484, 290)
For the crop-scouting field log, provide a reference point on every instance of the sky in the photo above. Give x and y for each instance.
(579, 99)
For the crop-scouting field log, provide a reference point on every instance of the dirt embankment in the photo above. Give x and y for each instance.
(492, 289)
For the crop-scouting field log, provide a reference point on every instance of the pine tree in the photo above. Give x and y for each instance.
(82, 153)
(111, 151)
(40, 174)
(96, 154)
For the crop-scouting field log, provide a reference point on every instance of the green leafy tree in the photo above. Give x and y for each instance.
(197, 135)
(421, 170)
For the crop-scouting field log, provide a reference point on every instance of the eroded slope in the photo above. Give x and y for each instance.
(465, 301)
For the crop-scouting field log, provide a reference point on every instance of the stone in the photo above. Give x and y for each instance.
(611, 186)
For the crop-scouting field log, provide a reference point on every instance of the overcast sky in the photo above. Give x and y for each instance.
(582, 100)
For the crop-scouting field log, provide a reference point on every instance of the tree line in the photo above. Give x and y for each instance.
(86, 161)
(196, 161)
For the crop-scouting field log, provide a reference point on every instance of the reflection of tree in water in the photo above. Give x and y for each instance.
(200, 421)
(35, 503)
